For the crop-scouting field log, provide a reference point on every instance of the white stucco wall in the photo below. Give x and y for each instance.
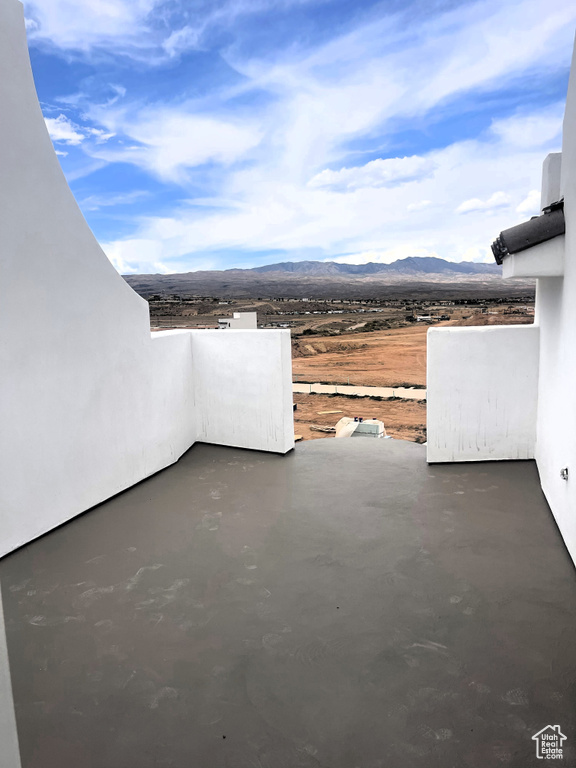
(482, 393)
(90, 401)
(243, 390)
(556, 316)
(542, 260)
(551, 179)
(9, 750)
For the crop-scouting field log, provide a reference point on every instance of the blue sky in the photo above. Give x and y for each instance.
(209, 134)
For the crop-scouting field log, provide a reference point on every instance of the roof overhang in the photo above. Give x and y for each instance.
(537, 230)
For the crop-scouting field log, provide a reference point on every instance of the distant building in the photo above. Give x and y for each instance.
(240, 320)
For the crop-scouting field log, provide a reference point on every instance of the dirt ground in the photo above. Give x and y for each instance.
(403, 419)
(386, 358)
(379, 359)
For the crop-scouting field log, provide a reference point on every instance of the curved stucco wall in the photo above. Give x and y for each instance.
(90, 402)
(86, 393)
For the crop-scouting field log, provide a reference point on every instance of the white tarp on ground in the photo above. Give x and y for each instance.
(348, 427)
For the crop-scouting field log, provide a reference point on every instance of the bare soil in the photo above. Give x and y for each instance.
(379, 359)
(403, 419)
(387, 358)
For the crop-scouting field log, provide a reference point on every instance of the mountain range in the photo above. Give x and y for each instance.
(421, 277)
(421, 265)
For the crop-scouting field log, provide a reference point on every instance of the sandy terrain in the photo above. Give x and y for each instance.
(380, 359)
(385, 358)
(403, 419)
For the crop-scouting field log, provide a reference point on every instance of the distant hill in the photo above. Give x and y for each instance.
(414, 277)
(424, 265)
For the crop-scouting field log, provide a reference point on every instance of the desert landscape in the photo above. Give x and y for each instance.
(362, 325)
(386, 358)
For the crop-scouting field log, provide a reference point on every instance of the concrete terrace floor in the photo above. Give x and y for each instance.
(345, 606)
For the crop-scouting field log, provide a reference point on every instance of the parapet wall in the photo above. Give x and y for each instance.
(242, 388)
(482, 393)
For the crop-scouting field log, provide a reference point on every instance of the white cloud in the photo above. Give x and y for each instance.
(136, 255)
(147, 256)
(482, 255)
(531, 130)
(166, 142)
(352, 91)
(182, 40)
(389, 67)
(475, 204)
(131, 26)
(95, 202)
(100, 135)
(368, 223)
(490, 42)
(530, 206)
(69, 24)
(419, 206)
(62, 129)
(377, 173)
